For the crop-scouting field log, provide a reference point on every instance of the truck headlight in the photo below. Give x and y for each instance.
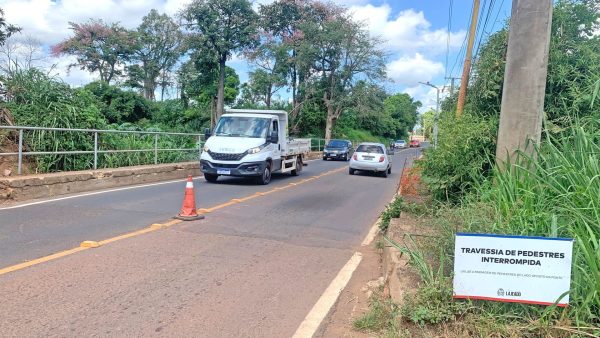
(205, 148)
(255, 150)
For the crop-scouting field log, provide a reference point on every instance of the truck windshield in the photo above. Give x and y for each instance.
(240, 126)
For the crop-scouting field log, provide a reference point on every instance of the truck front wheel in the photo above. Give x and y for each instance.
(265, 178)
(298, 169)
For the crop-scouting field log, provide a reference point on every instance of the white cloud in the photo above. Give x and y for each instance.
(74, 76)
(409, 31)
(409, 70)
(48, 21)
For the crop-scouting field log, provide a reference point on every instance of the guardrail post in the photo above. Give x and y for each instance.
(319, 147)
(95, 150)
(155, 148)
(20, 165)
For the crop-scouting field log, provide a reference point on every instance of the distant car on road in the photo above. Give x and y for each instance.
(371, 157)
(338, 150)
(400, 144)
(415, 144)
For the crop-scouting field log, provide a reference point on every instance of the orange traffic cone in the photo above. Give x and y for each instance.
(188, 210)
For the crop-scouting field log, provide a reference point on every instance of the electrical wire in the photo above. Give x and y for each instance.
(462, 50)
(450, 8)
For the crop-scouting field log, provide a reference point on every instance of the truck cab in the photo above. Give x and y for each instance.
(251, 143)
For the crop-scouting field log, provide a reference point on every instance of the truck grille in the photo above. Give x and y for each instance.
(226, 157)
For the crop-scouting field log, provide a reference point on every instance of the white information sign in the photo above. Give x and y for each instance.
(533, 270)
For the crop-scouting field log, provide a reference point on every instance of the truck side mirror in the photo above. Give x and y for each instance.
(206, 133)
(274, 137)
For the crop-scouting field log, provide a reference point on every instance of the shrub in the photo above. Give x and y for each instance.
(464, 154)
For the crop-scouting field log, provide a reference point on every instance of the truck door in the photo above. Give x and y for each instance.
(276, 147)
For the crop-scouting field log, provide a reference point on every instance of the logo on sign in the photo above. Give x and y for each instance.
(501, 292)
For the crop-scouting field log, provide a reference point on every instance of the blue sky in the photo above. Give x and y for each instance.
(416, 32)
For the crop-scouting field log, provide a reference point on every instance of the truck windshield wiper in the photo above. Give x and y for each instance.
(223, 134)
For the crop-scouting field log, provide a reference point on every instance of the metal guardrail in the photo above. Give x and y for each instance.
(316, 144)
(96, 151)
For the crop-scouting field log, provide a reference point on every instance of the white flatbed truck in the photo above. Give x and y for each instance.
(252, 143)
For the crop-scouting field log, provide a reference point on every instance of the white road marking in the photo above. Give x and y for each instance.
(372, 233)
(181, 180)
(311, 323)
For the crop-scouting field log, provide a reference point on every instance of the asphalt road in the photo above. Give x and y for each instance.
(250, 269)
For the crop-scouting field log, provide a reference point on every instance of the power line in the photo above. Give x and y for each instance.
(451, 5)
(483, 30)
(497, 14)
(462, 49)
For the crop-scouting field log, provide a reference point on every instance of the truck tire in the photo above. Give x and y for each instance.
(350, 171)
(298, 169)
(212, 178)
(265, 178)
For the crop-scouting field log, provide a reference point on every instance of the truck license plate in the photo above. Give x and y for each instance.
(223, 172)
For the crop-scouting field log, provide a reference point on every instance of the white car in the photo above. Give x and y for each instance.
(400, 144)
(371, 157)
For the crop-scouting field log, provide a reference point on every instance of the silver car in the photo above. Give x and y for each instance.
(400, 144)
(371, 157)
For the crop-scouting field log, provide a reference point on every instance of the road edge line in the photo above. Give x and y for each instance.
(92, 193)
(319, 311)
(372, 233)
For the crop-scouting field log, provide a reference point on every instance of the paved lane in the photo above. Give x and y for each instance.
(38, 230)
(252, 269)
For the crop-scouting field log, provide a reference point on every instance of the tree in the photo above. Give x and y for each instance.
(6, 29)
(22, 54)
(340, 53)
(573, 65)
(221, 27)
(283, 26)
(119, 106)
(403, 109)
(159, 46)
(427, 123)
(280, 35)
(262, 85)
(98, 47)
(199, 82)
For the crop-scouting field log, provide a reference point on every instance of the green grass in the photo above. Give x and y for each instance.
(555, 194)
(392, 210)
(381, 315)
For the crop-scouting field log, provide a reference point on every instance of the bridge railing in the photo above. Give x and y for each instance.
(93, 142)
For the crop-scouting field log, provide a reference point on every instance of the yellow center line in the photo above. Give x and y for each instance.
(40, 260)
(127, 235)
(153, 227)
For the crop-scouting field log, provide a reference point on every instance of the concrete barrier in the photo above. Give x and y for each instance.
(27, 187)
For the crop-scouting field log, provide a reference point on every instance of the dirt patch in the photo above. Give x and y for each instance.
(9, 163)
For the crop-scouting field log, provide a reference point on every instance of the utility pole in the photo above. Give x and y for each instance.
(464, 80)
(524, 78)
(452, 84)
(437, 112)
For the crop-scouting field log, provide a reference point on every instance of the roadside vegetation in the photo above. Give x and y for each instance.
(308, 57)
(553, 193)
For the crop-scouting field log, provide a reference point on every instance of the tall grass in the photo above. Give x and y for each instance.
(555, 192)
